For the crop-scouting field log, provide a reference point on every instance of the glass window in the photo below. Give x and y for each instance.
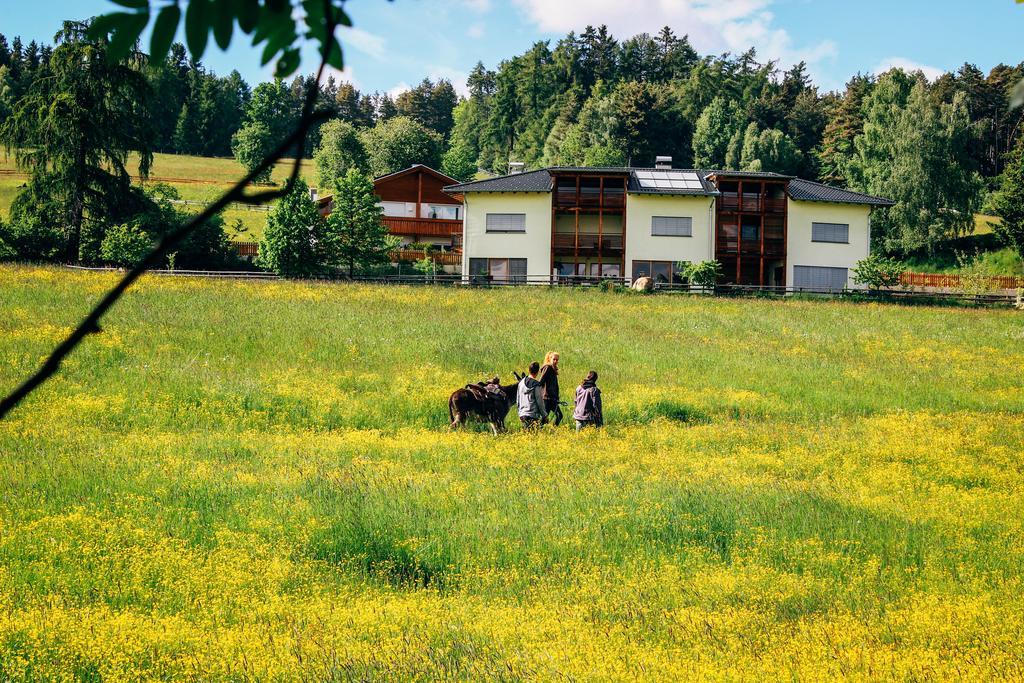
(448, 212)
(611, 270)
(641, 269)
(662, 271)
(517, 269)
(499, 269)
(399, 209)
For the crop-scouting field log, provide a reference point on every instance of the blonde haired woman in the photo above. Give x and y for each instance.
(548, 379)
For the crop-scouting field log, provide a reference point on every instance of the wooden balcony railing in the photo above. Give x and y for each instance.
(425, 227)
(445, 258)
(587, 243)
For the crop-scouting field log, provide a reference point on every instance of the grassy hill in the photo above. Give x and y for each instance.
(260, 485)
(195, 178)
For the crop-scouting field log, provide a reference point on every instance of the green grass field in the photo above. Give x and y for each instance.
(195, 178)
(254, 481)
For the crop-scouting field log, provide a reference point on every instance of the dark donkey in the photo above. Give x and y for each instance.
(475, 401)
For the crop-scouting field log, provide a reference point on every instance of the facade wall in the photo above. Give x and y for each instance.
(641, 245)
(801, 251)
(534, 245)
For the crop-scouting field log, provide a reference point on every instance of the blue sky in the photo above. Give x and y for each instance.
(396, 44)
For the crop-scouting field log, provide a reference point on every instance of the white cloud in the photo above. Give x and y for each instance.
(713, 25)
(399, 89)
(346, 75)
(930, 72)
(457, 78)
(480, 6)
(368, 43)
(475, 30)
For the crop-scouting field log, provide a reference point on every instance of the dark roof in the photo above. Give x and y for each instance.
(810, 191)
(748, 174)
(530, 181)
(541, 181)
(415, 167)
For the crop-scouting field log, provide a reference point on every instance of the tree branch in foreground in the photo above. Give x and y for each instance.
(91, 323)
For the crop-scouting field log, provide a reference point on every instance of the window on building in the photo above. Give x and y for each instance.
(820, 278)
(448, 212)
(672, 226)
(483, 270)
(506, 222)
(399, 209)
(830, 232)
(665, 272)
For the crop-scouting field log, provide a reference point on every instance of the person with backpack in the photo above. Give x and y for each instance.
(588, 403)
(530, 399)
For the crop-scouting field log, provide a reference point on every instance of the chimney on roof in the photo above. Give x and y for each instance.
(313, 194)
(516, 167)
(663, 163)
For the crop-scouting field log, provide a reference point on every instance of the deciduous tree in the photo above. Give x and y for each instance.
(340, 150)
(399, 143)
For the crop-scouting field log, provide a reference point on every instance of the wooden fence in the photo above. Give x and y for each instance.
(246, 249)
(954, 281)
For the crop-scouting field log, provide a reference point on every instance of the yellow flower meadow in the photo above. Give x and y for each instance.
(255, 481)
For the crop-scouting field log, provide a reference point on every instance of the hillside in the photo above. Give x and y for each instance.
(260, 484)
(197, 179)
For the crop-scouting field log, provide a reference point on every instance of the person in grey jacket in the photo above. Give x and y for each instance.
(588, 403)
(530, 399)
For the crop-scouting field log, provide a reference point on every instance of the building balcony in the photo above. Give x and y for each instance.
(587, 244)
(751, 203)
(422, 227)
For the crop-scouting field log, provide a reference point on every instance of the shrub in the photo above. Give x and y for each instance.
(31, 238)
(702, 273)
(251, 145)
(877, 272)
(125, 245)
(7, 252)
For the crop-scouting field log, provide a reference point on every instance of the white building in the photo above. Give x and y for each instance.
(764, 228)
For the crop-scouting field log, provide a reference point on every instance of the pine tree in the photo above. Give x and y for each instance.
(73, 132)
(356, 237)
(844, 124)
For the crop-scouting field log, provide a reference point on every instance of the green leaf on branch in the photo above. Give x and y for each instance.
(223, 24)
(273, 24)
(197, 27)
(1017, 96)
(125, 36)
(288, 63)
(164, 28)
